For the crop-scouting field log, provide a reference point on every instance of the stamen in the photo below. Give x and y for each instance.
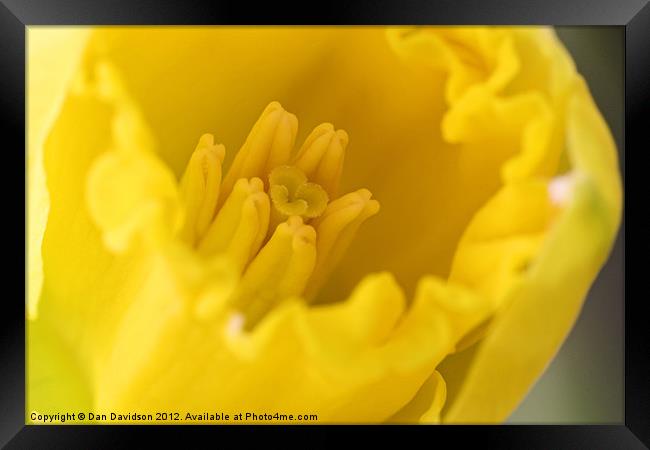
(267, 146)
(200, 187)
(292, 195)
(241, 224)
(336, 229)
(280, 270)
(279, 255)
(321, 157)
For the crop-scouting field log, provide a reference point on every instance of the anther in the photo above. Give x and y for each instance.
(267, 146)
(241, 224)
(200, 187)
(336, 229)
(321, 157)
(280, 270)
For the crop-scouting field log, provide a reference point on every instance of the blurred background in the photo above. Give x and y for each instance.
(585, 382)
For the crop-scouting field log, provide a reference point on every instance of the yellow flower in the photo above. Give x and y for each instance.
(167, 275)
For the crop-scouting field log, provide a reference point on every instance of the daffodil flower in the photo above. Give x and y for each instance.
(204, 236)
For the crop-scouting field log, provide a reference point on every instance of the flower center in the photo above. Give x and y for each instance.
(293, 195)
(283, 237)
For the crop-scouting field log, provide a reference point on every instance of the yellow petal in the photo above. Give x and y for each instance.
(82, 279)
(169, 309)
(359, 360)
(403, 157)
(56, 379)
(543, 307)
(59, 51)
(426, 405)
(504, 238)
(247, 67)
(133, 196)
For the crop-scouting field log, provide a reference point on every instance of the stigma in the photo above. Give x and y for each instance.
(277, 216)
(294, 195)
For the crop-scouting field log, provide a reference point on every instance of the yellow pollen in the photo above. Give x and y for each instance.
(293, 195)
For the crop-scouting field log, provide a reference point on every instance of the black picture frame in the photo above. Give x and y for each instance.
(17, 15)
